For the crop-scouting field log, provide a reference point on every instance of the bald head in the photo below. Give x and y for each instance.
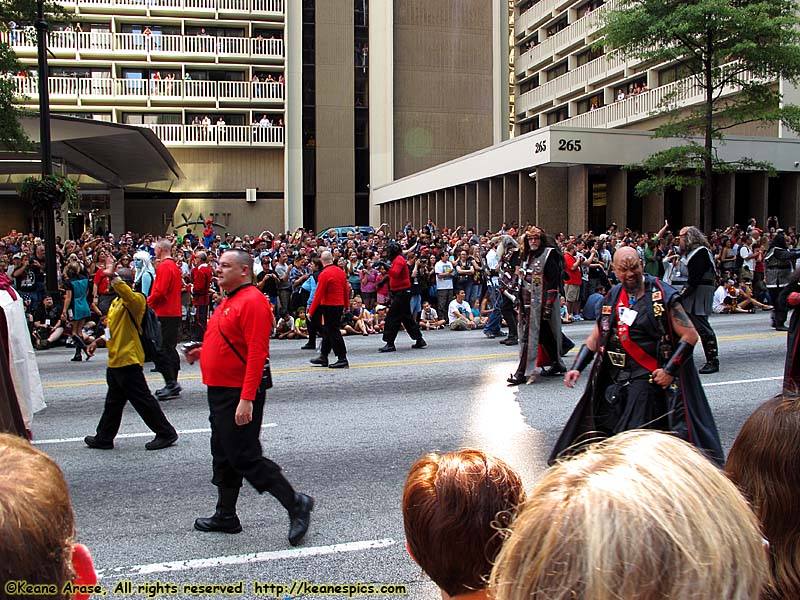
(625, 255)
(326, 257)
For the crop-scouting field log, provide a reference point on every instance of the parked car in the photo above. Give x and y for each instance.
(342, 231)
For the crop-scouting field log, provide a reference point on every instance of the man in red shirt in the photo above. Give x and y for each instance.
(400, 309)
(572, 287)
(165, 300)
(330, 299)
(232, 361)
(201, 284)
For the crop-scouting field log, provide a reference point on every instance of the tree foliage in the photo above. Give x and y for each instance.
(23, 14)
(734, 52)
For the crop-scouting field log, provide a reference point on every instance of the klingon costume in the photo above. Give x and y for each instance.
(21, 392)
(790, 299)
(539, 326)
(620, 394)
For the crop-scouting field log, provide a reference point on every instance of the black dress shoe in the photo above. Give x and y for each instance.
(340, 364)
(93, 442)
(565, 349)
(512, 341)
(781, 328)
(300, 518)
(387, 348)
(553, 371)
(219, 522)
(419, 344)
(322, 361)
(160, 442)
(308, 346)
(490, 334)
(516, 379)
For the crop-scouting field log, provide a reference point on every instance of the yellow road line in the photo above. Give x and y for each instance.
(398, 363)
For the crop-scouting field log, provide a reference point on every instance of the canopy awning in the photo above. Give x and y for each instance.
(118, 155)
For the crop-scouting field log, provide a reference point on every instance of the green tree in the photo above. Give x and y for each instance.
(720, 46)
(23, 14)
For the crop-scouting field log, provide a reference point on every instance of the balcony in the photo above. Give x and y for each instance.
(185, 48)
(228, 135)
(152, 91)
(593, 72)
(574, 34)
(273, 8)
(679, 94)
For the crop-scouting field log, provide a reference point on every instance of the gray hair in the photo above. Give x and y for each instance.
(695, 238)
(125, 274)
(326, 257)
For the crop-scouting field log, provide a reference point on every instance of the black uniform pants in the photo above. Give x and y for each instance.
(128, 384)
(167, 362)
(510, 315)
(202, 321)
(400, 312)
(707, 335)
(236, 450)
(314, 325)
(331, 334)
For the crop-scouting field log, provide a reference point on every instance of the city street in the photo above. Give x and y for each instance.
(345, 437)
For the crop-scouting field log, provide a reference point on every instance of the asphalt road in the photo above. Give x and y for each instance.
(345, 437)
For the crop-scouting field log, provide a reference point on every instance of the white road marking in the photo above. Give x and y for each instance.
(740, 381)
(131, 435)
(242, 559)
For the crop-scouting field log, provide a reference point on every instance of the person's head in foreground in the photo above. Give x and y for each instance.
(639, 516)
(37, 525)
(455, 507)
(765, 463)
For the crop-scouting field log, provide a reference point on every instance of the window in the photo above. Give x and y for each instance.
(557, 71)
(557, 26)
(589, 55)
(558, 115)
(529, 84)
(591, 103)
(672, 74)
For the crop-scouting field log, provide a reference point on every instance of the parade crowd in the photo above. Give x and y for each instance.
(646, 514)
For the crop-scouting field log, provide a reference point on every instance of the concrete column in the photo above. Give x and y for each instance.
(691, 208)
(483, 205)
(293, 147)
(511, 198)
(495, 203)
(617, 197)
(382, 209)
(578, 199)
(759, 195)
(381, 93)
(725, 201)
(116, 211)
(450, 208)
(500, 107)
(790, 199)
(441, 217)
(551, 198)
(527, 199)
(653, 212)
(460, 214)
(471, 201)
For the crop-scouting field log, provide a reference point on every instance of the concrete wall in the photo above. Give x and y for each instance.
(228, 169)
(443, 81)
(335, 115)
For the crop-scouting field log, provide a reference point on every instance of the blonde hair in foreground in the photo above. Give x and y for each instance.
(641, 516)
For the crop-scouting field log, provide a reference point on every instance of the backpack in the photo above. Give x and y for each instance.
(149, 332)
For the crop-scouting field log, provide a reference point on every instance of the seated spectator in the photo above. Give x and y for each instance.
(37, 526)
(47, 324)
(565, 316)
(300, 326)
(284, 329)
(454, 506)
(591, 310)
(429, 318)
(379, 319)
(460, 313)
(765, 464)
(639, 516)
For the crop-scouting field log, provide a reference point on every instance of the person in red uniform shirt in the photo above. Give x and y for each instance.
(400, 309)
(201, 283)
(232, 360)
(330, 299)
(165, 300)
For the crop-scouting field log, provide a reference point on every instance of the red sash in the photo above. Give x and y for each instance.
(633, 349)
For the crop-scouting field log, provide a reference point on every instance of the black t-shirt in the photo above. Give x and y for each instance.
(270, 288)
(41, 314)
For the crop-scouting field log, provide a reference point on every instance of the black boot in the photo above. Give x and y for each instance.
(566, 345)
(224, 519)
(712, 357)
(77, 342)
(81, 345)
(299, 507)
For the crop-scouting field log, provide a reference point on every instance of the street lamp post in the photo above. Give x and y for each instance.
(44, 142)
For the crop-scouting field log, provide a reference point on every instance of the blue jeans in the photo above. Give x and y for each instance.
(416, 305)
(496, 318)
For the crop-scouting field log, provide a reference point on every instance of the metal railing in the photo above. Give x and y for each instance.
(685, 92)
(78, 87)
(215, 135)
(558, 42)
(146, 44)
(238, 6)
